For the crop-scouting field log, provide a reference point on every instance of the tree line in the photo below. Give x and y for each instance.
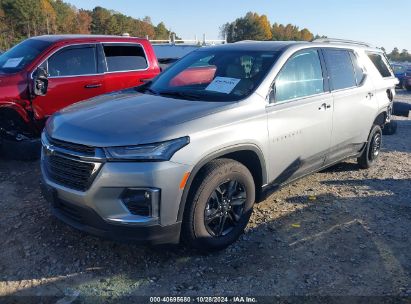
(257, 27)
(398, 56)
(20, 19)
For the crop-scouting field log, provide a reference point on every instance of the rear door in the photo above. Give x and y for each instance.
(299, 117)
(73, 76)
(127, 65)
(355, 104)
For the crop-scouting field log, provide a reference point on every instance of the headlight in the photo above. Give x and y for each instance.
(151, 152)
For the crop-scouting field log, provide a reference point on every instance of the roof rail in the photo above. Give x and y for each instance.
(336, 40)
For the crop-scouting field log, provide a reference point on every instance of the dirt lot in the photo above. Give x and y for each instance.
(353, 239)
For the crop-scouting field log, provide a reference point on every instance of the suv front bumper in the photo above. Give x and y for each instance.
(87, 220)
(101, 211)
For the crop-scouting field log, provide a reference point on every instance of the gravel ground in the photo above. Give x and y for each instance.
(351, 238)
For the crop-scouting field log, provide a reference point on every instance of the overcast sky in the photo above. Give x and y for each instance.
(380, 22)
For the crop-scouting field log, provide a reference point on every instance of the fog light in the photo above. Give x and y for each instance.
(140, 201)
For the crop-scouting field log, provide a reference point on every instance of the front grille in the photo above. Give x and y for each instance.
(74, 174)
(86, 150)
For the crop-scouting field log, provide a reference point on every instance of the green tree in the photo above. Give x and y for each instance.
(66, 17)
(306, 35)
(20, 19)
(404, 56)
(250, 27)
(100, 19)
(84, 20)
(290, 32)
(395, 54)
(161, 32)
(49, 15)
(255, 27)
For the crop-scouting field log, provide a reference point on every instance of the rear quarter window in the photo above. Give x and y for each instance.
(123, 57)
(381, 64)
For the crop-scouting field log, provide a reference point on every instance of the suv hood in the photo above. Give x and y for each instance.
(127, 118)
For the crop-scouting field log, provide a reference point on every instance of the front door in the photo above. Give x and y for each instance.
(299, 118)
(73, 77)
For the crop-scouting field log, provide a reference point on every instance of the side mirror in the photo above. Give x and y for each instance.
(40, 82)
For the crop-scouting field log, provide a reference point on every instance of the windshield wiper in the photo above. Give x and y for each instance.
(144, 88)
(150, 91)
(182, 95)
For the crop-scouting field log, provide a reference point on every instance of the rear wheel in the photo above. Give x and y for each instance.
(219, 206)
(372, 150)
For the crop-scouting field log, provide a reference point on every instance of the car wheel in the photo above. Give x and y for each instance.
(219, 206)
(390, 128)
(401, 108)
(372, 150)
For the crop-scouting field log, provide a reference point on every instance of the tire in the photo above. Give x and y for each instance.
(28, 149)
(206, 199)
(401, 108)
(390, 128)
(372, 149)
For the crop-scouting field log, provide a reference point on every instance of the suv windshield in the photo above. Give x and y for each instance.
(214, 75)
(15, 59)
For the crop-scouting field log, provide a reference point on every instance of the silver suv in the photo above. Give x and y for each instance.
(186, 156)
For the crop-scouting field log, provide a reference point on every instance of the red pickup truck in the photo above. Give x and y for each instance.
(44, 74)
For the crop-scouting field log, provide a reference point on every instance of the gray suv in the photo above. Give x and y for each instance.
(185, 156)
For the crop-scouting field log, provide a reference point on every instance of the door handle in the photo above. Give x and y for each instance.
(92, 86)
(369, 95)
(324, 107)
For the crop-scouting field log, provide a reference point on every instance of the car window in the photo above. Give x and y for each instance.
(125, 57)
(340, 69)
(301, 76)
(72, 62)
(359, 71)
(381, 63)
(214, 74)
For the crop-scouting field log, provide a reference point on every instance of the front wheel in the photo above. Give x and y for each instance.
(372, 150)
(220, 205)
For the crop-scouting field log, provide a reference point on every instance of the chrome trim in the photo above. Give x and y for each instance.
(118, 42)
(273, 104)
(132, 219)
(49, 150)
(99, 156)
(58, 49)
(97, 74)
